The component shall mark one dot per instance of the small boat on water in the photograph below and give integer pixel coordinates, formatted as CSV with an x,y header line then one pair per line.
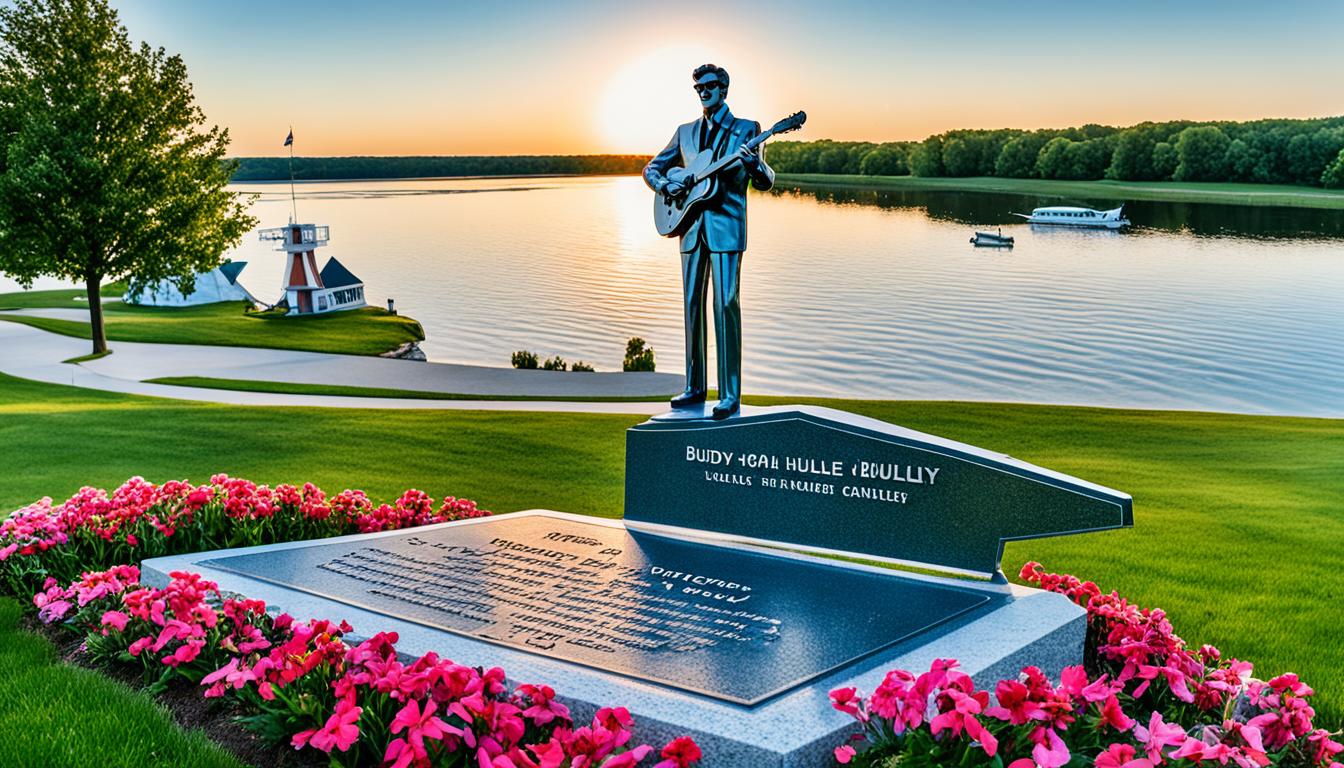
x,y
1068,216
991,240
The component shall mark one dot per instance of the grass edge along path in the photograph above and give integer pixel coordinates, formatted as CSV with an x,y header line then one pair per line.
x,y
339,390
57,714
1237,517
364,331
1223,193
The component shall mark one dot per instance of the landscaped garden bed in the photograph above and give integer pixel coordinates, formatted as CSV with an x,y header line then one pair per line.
x,y
1142,698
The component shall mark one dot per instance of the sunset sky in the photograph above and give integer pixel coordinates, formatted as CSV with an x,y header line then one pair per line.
x,y
446,78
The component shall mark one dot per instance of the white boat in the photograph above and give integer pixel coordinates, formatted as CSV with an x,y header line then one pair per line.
x,y
1068,216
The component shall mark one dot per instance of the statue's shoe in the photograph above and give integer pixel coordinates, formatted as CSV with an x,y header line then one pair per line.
x,y
726,407
688,398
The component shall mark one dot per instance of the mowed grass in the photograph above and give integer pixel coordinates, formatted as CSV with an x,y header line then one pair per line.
x,y
364,331
71,298
340,390
1238,518
55,715
1162,191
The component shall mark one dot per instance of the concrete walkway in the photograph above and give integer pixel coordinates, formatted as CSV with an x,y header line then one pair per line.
x,y
31,353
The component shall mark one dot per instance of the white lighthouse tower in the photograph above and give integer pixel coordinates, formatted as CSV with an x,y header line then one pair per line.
x,y
301,281
306,290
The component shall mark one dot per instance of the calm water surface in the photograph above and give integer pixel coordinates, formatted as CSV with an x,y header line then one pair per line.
x,y
861,294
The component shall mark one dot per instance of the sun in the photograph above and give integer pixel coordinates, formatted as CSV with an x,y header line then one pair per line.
x,y
648,98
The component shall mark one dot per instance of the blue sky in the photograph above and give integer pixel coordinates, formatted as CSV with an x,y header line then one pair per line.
x,y
516,77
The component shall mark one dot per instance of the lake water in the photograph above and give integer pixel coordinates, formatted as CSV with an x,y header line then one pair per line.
x,y
1203,307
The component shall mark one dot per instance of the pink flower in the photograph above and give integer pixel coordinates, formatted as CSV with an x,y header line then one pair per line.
x,y
185,653
1050,751
845,700
843,754
140,645
419,725
1113,715
115,619
1015,704
1074,680
1121,756
545,708
230,675
339,732
682,752
1157,736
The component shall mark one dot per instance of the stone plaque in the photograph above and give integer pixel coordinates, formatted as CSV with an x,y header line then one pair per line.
x,y
821,479
736,625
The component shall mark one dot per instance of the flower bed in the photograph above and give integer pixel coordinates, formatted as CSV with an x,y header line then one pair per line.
x,y
1141,699
296,683
301,683
95,530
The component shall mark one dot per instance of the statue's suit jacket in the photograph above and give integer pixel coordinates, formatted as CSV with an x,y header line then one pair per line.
x,y
723,222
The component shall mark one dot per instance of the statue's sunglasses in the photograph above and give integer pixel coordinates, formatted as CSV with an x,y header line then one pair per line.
x,y
702,87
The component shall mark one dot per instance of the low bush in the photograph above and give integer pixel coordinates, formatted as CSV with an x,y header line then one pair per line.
x,y
581,367
1141,699
638,357
524,359
556,363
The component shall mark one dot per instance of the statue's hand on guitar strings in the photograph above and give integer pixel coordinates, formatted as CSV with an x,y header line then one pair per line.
x,y
747,155
674,188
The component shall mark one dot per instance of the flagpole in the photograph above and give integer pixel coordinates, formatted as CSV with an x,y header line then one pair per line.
x,y
293,199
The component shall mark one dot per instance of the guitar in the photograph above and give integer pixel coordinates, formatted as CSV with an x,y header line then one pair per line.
x,y
673,214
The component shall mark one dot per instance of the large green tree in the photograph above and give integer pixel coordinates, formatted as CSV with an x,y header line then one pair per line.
x,y
107,167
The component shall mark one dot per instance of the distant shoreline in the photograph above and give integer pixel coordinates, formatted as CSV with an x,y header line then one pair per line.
x,y
1217,193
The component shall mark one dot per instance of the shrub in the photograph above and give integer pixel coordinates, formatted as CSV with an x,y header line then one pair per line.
x,y
524,359
581,367
637,356
1141,699
556,363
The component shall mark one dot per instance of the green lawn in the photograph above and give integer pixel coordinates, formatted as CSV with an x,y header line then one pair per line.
x,y
1162,191
366,331
290,388
57,715
1238,520
75,298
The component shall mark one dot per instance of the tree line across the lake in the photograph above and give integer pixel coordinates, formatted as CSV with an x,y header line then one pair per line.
x,y
1275,151
323,168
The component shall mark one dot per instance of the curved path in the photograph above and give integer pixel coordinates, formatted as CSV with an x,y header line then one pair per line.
x,y
31,353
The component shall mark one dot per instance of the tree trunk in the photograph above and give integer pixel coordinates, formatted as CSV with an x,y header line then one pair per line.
x,y
96,331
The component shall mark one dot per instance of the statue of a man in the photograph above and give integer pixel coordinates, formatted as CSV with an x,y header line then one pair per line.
x,y
713,243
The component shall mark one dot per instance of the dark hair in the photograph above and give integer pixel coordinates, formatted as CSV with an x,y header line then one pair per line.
x,y
717,71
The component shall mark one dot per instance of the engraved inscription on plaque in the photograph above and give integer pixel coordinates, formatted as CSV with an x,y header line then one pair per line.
x,y
734,625
814,478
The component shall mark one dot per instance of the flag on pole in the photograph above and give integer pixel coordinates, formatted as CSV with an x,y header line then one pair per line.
x,y
289,140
